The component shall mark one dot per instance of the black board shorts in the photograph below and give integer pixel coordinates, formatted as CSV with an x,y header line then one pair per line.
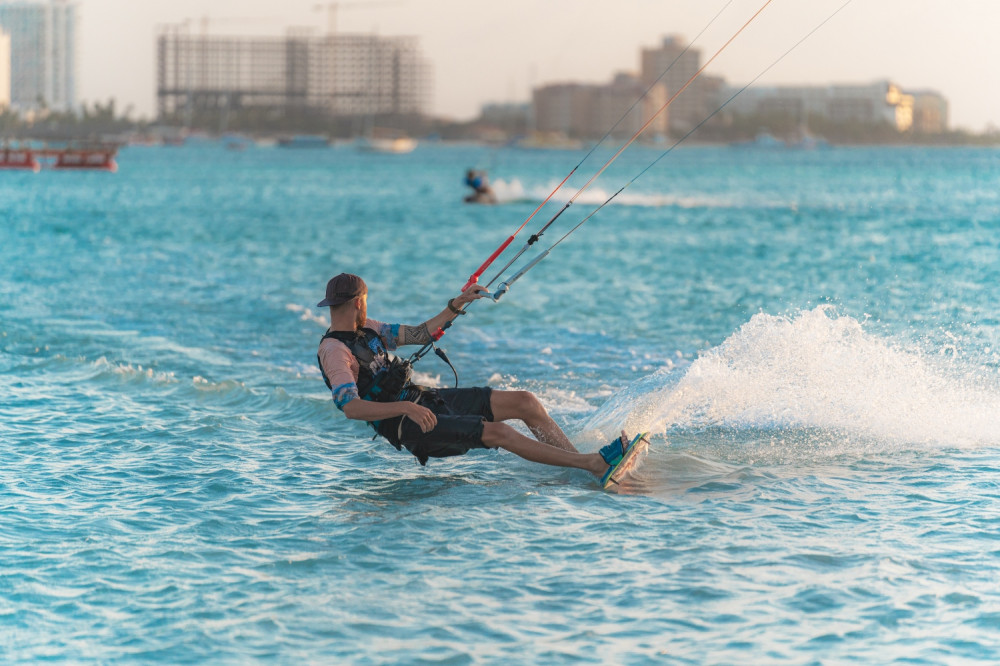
x,y
460,416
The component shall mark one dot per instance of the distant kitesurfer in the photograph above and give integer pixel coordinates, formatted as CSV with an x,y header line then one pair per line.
x,y
482,192
369,384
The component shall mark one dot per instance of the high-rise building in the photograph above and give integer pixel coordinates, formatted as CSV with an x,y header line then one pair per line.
x,y
4,70
563,108
930,112
337,75
583,110
877,103
42,53
674,64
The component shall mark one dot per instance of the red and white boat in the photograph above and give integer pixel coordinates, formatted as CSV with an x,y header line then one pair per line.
x,y
102,159
19,158
97,158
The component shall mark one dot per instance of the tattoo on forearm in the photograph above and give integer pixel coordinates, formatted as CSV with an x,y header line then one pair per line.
x,y
414,335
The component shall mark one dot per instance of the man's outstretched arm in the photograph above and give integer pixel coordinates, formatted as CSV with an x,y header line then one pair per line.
x,y
452,310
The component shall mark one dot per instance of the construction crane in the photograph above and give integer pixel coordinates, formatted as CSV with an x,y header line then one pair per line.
x,y
332,8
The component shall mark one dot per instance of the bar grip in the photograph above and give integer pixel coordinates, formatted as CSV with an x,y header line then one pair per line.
x,y
486,264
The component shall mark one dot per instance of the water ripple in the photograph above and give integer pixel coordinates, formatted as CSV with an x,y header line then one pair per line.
x,y
177,486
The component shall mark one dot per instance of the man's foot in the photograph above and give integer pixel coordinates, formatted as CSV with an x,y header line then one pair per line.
x,y
613,453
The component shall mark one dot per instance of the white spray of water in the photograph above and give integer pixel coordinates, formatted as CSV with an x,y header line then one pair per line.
x,y
820,371
129,372
515,191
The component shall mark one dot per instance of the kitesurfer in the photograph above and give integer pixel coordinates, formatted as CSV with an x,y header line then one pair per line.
x,y
482,192
369,384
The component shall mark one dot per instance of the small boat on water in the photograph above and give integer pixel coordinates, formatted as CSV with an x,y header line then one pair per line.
x,y
762,139
16,158
385,140
100,157
397,145
236,142
549,141
768,141
304,141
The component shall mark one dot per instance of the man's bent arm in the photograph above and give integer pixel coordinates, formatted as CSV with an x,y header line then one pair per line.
x,y
368,410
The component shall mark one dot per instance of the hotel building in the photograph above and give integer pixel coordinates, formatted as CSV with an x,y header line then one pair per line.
x,y
42,53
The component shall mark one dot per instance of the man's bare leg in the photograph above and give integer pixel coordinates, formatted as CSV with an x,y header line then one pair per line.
x,y
524,406
503,436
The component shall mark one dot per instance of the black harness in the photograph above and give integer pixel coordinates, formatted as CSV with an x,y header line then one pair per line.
x,y
384,378
381,377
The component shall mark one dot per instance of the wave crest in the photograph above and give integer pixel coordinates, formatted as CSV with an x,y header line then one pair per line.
x,y
819,371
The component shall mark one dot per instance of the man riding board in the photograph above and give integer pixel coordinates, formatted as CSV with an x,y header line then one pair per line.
x,y
368,384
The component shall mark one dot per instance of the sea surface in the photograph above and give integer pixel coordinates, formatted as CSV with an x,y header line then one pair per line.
x,y
812,338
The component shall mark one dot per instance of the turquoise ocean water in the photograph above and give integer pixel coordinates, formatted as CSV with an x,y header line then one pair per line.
x,y
812,338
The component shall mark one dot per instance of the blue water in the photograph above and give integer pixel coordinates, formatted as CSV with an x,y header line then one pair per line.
x,y
812,338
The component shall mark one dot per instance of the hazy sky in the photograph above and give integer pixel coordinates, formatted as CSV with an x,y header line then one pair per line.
x,y
497,52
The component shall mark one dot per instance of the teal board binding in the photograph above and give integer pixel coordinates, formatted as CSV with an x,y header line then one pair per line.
x,y
626,462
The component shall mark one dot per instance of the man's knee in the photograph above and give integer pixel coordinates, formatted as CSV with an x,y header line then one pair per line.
x,y
521,405
529,407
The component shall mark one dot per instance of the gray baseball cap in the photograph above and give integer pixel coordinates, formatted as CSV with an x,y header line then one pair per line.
x,y
342,288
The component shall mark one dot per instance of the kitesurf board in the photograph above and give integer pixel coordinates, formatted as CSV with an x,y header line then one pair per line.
x,y
629,461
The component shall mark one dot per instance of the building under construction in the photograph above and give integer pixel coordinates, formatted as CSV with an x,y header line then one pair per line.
x,y
214,81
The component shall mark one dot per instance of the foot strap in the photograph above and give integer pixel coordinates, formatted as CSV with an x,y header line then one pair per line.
x,y
614,453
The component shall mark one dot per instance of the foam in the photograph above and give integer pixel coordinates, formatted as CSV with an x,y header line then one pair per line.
x,y
223,386
819,372
306,314
129,372
515,191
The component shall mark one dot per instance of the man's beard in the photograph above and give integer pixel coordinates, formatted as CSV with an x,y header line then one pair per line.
x,y
359,321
